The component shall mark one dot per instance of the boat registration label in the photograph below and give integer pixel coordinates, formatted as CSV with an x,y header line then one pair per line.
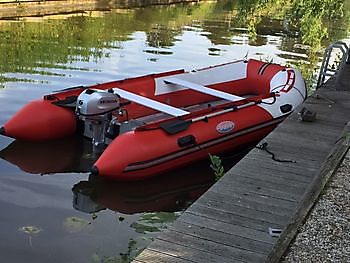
x,y
225,126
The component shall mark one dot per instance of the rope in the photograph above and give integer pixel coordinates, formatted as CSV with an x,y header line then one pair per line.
x,y
263,147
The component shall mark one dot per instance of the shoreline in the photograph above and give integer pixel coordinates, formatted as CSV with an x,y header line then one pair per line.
x,y
11,9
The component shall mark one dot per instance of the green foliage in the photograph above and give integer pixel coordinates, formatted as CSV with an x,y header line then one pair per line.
x,y
311,17
345,137
57,43
216,166
75,224
135,247
94,216
148,223
153,222
315,23
30,230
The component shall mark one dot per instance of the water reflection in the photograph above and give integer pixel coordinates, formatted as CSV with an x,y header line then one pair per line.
x,y
92,36
170,192
73,154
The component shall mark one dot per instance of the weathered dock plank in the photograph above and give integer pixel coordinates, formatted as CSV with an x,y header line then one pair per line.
x,y
260,181
268,176
153,256
231,222
245,201
257,197
189,220
221,245
308,165
287,171
236,219
194,249
230,186
247,245
249,213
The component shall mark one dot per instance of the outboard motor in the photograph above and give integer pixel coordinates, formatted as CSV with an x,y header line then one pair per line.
x,y
95,107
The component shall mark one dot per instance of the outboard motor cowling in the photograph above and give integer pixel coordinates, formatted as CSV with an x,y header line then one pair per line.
x,y
93,102
95,107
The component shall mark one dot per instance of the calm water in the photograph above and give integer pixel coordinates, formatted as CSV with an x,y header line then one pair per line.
x,y
50,210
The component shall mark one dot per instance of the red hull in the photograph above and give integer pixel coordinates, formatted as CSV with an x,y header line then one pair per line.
x,y
160,152
40,120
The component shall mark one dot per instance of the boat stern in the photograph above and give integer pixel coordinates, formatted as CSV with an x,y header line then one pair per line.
x,y
40,120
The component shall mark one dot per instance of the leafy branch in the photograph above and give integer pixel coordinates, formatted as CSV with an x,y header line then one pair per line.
x,y
216,166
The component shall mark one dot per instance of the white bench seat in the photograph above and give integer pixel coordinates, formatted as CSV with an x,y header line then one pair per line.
x,y
156,105
202,89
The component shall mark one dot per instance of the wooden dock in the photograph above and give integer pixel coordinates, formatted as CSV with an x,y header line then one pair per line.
x,y
233,221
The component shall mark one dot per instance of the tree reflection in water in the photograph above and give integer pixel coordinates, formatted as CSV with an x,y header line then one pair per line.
x,y
35,47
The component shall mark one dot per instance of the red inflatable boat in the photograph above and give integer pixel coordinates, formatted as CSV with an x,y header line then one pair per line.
x,y
147,125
